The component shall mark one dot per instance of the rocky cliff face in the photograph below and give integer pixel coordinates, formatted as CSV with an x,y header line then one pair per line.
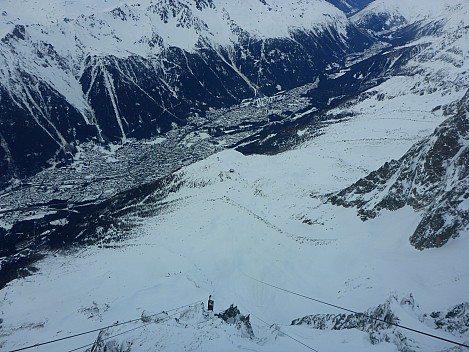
x,y
432,177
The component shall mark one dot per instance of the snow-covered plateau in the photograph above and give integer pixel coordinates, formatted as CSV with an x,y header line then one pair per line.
x,y
307,212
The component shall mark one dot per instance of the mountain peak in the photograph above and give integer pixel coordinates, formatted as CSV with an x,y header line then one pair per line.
x,y
384,15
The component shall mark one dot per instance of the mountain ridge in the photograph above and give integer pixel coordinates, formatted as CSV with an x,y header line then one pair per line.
x,y
431,177
93,68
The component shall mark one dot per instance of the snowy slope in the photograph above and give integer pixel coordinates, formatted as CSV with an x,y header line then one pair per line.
x,y
270,19
230,216
383,15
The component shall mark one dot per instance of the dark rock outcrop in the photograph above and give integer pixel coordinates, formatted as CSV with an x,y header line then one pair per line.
x,y
432,177
378,322
233,316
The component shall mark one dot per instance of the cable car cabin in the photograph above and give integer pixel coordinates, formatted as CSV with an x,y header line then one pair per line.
x,y
210,304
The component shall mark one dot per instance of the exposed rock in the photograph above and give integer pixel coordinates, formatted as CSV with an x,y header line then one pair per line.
x,y
361,321
432,177
455,321
234,317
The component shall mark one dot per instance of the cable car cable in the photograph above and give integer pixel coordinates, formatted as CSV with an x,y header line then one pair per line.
x,y
98,329
365,315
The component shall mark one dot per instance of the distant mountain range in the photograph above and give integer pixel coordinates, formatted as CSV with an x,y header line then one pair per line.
x,y
139,69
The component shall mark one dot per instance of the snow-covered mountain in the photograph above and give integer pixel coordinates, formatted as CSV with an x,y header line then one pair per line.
x,y
432,177
127,239
109,71
381,16
350,6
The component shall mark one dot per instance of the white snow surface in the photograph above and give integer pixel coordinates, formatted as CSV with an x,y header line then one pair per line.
x,y
276,18
238,216
453,12
223,226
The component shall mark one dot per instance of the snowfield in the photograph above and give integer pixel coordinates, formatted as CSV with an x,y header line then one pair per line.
x,y
234,218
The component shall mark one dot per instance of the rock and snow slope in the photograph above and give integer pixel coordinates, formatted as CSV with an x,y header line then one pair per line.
x,y
230,216
383,15
432,177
